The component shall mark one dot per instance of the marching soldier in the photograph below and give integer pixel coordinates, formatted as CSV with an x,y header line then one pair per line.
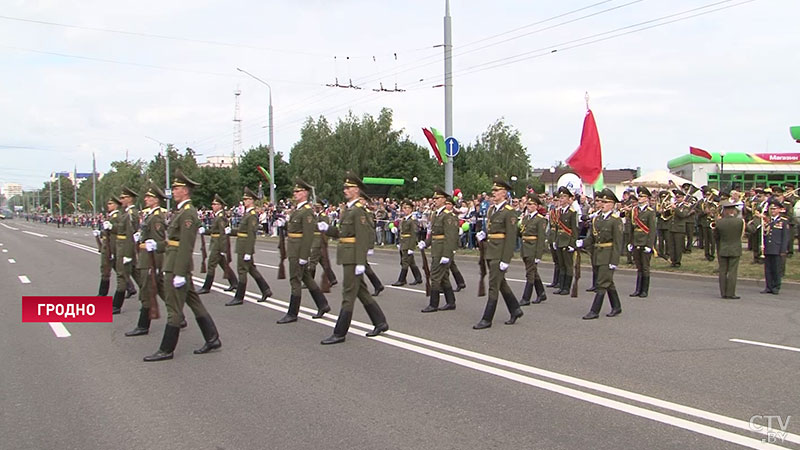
x,y
728,232
449,204
677,232
566,233
377,286
152,240
300,228
356,236
642,226
552,218
605,241
532,229
129,204
586,220
502,238
123,231
443,242
777,241
107,245
178,285
219,250
408,241
245,251
316,248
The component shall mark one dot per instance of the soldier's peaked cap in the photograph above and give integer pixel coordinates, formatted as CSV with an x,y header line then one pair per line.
x,y
407,202
114,199
643,191
129,192
564,190
154,191
534,197
219,200
180,179
300,185
248,193
499,183
608,194
439,191
353,180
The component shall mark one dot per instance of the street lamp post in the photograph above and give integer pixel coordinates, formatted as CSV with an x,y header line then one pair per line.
x,y
552,180
271,137
167,189
415,179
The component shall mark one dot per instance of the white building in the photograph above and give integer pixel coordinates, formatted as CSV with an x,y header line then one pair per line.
x,y
220,161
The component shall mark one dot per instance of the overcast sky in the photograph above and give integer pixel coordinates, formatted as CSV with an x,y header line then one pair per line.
x,y
723,81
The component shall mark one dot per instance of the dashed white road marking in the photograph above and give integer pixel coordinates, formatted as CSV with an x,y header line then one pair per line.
x,y
34,234
12,261
59,329
24,280
764,344
5,250
269,251
267,266
9,227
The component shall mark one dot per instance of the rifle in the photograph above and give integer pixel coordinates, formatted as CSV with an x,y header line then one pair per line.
x,y
153,311
577,272
228,247
427,270
107,270
203,251
482,264
325,262
282,249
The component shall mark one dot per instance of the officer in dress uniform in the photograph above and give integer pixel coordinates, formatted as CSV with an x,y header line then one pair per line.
x,y
219,247
502,238
449,204
408,242
152,239
663,224
728,232
677,232
566,233
377,285
443,242
128,198
300,227
245,251
777,241
552,217
178,286
123,235
356,236
316,247
532,228
107,245
605,242
642,226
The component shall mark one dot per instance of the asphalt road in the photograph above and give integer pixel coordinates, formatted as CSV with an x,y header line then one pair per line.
x,y
664,374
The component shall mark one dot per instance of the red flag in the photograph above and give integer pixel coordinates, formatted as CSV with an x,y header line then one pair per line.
x,y
587,160
432,141
699,152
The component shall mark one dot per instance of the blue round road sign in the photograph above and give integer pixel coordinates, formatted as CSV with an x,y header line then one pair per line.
x,y
451,147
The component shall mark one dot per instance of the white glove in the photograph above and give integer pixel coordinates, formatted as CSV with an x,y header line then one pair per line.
x,y
460,231
248,257
150,245
398,246
126,260
201,230
537,261
322,226
555,246
612,266
480,235
421,245
107,225
394,230
137,236
503,266
223,255
303,262
648,250
444,260
96,233
370,252
360,269
570,249
411,252
178,281
579,243
630,247
227,230
279,222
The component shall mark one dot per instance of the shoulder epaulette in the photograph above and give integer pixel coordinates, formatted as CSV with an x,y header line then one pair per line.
x,y
115,212
306,206
508,207
323,214
187,206
647,208
359,204
615,215
572,209
253,212
146,210
157,212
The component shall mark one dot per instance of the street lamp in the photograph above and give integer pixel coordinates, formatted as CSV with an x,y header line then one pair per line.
x,y
721,168
552,180
415,179
167,190
271,136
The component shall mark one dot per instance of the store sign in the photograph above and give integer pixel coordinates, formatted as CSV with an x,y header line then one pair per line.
x,y
779,157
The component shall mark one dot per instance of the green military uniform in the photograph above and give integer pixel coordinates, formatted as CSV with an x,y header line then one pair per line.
x,y
677,232
532,229
642,237
728,231
605,243
107,247
443,242
178,284
501,237
710,211
777,242
566,233
457,276
245,254
122,234
153,228
219,250
377,286
356,236
407,244
300,228
316,252
663,224
552,220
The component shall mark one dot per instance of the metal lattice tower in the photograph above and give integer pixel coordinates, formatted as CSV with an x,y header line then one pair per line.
x,y
237,124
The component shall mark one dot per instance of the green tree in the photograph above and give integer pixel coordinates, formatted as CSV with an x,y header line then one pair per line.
x,y
498,151
217,180
122,173
249,176
186,161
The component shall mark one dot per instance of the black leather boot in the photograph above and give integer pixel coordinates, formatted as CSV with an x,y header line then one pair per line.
x,y
417,276
238,299
116,303
638,286
143,326
593,288
378,319
321,302
594,312
294,308
207,283
616,307
566,285
168,344
556,276
340,330
645,286
130,289
488,315
460,284
433,304
375,281
103,290
540,294
263,286
401,280
449,299
561,281
526,294
231,276
210,334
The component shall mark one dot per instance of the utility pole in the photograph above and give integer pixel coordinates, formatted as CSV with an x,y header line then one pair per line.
x,y
448,93
94,186
60,205
167,189
75,189
271,137
51,195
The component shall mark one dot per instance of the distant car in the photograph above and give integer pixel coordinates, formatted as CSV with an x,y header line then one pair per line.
x,y
6,214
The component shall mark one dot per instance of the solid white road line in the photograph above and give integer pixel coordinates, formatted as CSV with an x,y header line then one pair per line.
x,y
12,261
78,246
59,329
24,280
270,251
267,266
10,228
5,250
764,344
34,234
391,338
1,244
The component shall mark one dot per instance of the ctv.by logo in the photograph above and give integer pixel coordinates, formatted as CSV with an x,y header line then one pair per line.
x,y
773,435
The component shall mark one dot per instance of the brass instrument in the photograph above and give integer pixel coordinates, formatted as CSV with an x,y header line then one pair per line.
x,y
666,208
